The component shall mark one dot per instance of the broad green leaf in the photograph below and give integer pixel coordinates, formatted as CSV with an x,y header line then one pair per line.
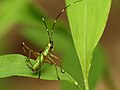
x,y
87,20
9,13
15,65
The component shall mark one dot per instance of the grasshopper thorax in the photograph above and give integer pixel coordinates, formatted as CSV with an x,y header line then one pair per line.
x,y
48,49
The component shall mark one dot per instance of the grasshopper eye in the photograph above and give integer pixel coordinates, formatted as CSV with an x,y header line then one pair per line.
x,y
52,43
22,44
40,51
51,47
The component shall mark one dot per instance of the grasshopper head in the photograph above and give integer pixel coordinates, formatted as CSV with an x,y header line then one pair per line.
x,y
51,45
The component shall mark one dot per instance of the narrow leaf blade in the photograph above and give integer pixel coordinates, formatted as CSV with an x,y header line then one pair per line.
x,y
87,22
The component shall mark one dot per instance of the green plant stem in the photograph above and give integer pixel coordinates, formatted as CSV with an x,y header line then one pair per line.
x,y
86,83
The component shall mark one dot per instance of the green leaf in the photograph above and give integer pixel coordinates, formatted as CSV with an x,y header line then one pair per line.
x,y
87,21
15,65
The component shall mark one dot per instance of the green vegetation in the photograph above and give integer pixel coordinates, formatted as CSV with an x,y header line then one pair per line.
x,y
87,21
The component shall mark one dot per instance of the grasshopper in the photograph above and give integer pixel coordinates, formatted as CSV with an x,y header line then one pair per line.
x,y
46,55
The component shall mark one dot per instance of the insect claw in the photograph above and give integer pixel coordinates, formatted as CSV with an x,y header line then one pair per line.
x,y
51,63
39,76
62,71
58,77
27,60
30,67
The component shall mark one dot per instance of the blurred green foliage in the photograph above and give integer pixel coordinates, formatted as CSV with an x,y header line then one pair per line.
x,y
9,14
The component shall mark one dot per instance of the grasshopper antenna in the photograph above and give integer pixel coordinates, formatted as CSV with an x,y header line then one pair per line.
x,y
61,14
46,28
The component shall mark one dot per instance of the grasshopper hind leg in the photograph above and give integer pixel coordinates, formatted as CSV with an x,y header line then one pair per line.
x,y
62,71
57,72
52,61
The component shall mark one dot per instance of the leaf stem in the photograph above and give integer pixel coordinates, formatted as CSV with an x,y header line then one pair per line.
x,y
86,84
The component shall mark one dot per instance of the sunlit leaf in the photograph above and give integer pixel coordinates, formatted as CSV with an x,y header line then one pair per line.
x,y
87,21
15,65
